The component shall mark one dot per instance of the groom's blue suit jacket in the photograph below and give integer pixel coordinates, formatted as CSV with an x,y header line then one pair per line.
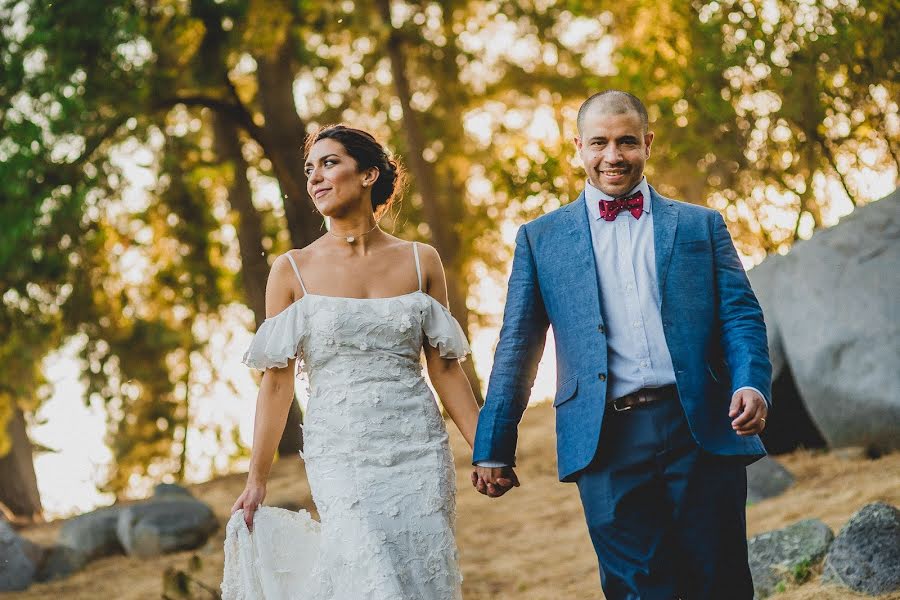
x,y
712,322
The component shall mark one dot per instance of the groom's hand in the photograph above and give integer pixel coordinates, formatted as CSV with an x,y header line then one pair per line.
x,y
494,481
748,411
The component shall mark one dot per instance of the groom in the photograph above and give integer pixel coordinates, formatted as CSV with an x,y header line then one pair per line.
x,y
663,371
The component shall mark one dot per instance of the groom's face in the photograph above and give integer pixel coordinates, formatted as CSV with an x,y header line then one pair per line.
x,y
614,148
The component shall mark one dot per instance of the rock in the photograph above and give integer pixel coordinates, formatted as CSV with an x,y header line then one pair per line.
x,y
17,567
171,490
832,311
865,556
786,555
60,562
93,534
161,526
766,478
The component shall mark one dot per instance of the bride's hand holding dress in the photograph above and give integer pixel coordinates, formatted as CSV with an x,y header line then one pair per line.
x,y
253,495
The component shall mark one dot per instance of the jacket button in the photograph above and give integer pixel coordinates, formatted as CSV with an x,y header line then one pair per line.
x,y
602,376
601,328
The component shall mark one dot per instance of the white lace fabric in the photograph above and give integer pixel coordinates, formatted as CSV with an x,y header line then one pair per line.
x,y
377,458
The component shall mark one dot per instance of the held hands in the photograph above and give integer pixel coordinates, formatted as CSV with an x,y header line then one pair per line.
x,y
494,481
249,500
748,411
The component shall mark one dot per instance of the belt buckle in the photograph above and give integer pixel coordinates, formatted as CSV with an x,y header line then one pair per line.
x,y
626,408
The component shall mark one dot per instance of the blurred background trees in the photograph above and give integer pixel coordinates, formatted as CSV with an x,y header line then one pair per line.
x,y
151,160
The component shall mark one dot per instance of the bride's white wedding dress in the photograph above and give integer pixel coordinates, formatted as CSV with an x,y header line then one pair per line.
x,y
377,457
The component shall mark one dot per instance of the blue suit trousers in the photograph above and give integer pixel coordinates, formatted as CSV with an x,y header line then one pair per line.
x,y
666,518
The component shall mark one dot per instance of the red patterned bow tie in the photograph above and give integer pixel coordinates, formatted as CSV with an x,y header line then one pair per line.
x,y
610,209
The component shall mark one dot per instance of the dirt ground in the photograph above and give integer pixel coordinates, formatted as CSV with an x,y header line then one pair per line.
x,y
530,545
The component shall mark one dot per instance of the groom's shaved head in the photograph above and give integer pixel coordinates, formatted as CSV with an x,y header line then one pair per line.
x,y
613,102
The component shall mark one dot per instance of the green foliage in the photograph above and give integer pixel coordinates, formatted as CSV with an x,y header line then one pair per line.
x,y
62,253
802,571
810,89
46,181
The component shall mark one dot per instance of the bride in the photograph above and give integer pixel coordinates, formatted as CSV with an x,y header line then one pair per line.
x,y
357,306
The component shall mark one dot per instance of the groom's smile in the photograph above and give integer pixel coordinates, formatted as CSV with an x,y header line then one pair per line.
x,y
614,177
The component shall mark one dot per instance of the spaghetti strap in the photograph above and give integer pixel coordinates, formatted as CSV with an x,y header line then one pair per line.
x,y
296,271
418,268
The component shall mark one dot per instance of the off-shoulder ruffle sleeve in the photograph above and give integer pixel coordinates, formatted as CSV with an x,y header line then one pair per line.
x,y
444,332
277,340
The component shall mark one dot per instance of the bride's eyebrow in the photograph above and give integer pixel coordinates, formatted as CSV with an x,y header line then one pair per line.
x,y
324,158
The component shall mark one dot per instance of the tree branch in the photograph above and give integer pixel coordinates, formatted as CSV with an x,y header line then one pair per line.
x,y
826,150
237,112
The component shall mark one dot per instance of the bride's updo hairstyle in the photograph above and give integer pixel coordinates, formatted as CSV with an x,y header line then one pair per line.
x,y
367,153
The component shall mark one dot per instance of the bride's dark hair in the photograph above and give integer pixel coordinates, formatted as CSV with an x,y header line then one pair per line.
x,y
368,153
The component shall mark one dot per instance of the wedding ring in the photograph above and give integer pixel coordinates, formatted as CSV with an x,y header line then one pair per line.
x,y
763,419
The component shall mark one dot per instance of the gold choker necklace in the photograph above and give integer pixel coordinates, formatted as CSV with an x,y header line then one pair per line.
x,y
352,238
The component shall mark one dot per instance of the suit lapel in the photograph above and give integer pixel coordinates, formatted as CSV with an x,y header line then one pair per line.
x,y
583,251
665,221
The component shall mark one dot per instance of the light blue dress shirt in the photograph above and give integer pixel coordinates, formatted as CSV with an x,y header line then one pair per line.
x,y
638,356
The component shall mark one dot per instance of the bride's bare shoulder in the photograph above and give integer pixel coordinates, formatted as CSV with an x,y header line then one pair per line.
x,y
306,254
429,255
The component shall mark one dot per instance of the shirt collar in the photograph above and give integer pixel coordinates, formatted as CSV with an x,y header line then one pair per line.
x,y
593,196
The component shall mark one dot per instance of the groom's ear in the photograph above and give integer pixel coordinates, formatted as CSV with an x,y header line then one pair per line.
x,y
577,141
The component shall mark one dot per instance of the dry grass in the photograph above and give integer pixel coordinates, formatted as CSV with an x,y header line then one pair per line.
x,y
531,544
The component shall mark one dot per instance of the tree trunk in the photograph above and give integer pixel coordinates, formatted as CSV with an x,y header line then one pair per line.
x,y
254,267
18,484
444,238
456,294
285,134
186,421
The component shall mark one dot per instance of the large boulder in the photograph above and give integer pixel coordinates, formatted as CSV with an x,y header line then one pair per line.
x,y
60,562
167,525
17,560
785,556
865,556
833,318
171,490
93,534
766,478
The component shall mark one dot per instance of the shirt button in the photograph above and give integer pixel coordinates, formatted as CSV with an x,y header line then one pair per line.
x,y
629,287
636,324
601,376
645,364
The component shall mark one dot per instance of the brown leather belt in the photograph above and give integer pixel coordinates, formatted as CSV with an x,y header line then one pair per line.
x,y
643,396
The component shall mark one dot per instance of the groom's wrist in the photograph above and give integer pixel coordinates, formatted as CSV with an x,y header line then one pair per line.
x,y
491,464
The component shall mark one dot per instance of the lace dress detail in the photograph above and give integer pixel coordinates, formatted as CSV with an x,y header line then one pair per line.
x,y
377,458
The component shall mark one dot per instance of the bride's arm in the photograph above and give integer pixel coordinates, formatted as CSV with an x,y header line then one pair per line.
x,y
447,375
276,393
